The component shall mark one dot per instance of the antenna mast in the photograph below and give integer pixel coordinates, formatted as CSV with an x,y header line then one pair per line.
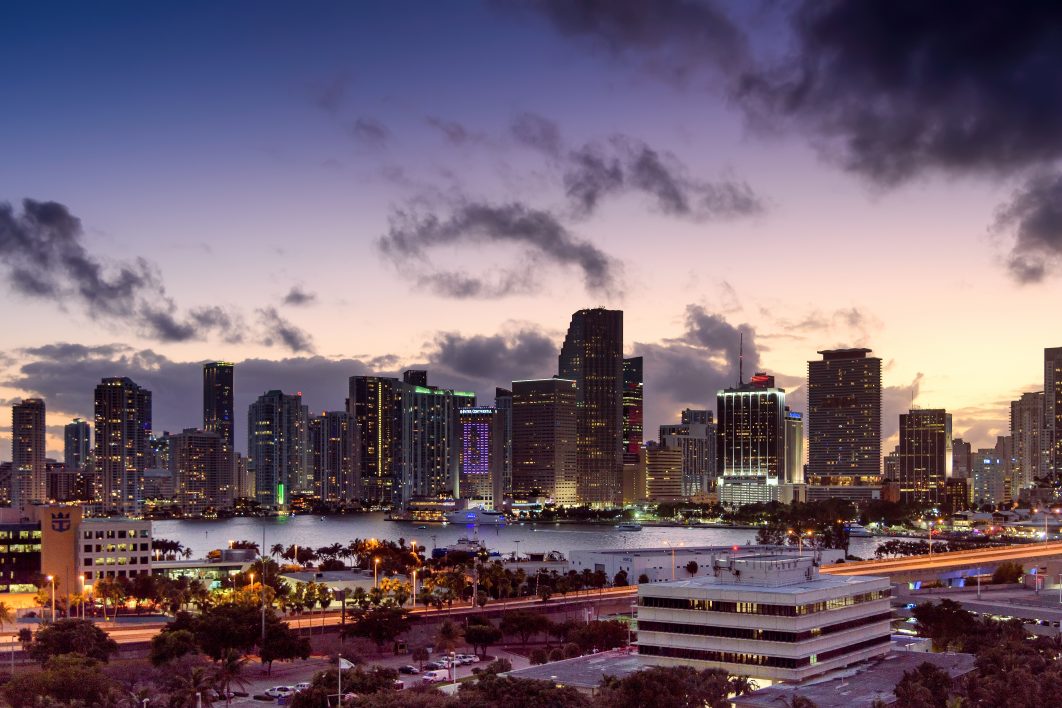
x,y
741,358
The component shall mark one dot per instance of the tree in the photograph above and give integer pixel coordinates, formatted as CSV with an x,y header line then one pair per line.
x,y
538,656
740,685
447,636
7,615
479,637
667,687
524,624
420,655
66,680
600,636
357,681
113,590
71,636
381,624
692,567
620,581
282,644
1009,572
925,687
643,579
228,671
494,690
167,646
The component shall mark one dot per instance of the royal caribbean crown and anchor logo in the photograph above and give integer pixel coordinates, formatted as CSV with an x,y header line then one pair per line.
x,y
60,521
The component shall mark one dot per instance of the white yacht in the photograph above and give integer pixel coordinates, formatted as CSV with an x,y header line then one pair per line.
x,y
628,526
477,516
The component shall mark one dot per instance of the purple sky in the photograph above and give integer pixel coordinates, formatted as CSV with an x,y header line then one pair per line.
x,y
323,189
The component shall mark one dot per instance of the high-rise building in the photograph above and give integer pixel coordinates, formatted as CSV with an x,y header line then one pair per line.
x,y
1053,410
122,449
962,458
198,461
663,473
278,445
218,408
633,408
925,456
545,414
479,450
375,402
430,452
77,444
695,437
333,441
592,356
1031,457
844,418
751,441
29,476
988,475
503,441
794,447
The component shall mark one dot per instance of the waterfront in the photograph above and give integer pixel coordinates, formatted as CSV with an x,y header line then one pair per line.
x,y
314,531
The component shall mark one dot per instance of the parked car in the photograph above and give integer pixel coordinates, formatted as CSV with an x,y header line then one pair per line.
x,y
408,670
299,687
279,691
466,659
433,665
436,676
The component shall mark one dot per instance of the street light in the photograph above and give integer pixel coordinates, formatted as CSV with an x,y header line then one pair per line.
x,y
51,579
375,572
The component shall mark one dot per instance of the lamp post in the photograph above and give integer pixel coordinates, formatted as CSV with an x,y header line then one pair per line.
x,y
415,588
930,540
375,573
51,579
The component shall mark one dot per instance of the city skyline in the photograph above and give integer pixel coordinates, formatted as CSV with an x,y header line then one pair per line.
x,y
271,177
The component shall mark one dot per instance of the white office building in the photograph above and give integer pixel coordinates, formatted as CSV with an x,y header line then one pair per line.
x,y
113,547
770,617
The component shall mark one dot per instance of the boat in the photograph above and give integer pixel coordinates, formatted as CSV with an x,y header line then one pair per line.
x,y
628,526
477,516
463,545
857,531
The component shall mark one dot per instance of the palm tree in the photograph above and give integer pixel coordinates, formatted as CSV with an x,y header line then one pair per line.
x,y
740,685
277,550
196,683
7,615
228,671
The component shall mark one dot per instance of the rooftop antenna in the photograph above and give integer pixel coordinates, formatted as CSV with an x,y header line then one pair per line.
x,y
741,358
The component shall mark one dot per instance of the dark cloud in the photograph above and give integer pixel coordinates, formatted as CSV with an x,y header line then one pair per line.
x,y
499,359
454,132
370,131
538,133
329,97
542,239
1034,213
894,401
278,330
298,296
45,256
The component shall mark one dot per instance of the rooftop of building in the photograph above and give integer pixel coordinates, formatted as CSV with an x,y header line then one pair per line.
x,y
767,572
858,686
586,672
657,550
849,353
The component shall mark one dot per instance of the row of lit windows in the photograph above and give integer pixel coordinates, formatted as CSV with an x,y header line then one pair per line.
x,y
735,657
112,573
759,608
5,535
116,533
112,548
111,560
21,548
766,635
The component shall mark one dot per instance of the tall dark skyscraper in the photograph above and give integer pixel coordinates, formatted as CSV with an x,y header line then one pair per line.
x,y
479,463
503,442
218,416
1053,410
844,418
633,409
333,440
925,459
592,356
751,441
545,424
123,432
430,434
77,444
374,403
29,478
278,445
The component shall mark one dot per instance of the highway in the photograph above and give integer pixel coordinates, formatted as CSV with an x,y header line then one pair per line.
x,y
944,561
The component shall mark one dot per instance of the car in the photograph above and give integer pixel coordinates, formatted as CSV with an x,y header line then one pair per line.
x,y
466,659
300,687
408,670
279,691
399,684
434,665
436,676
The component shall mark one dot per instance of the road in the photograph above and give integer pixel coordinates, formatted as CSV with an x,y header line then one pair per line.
x,y
944,561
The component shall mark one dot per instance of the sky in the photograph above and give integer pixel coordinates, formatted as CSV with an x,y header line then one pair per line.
x,y
315,190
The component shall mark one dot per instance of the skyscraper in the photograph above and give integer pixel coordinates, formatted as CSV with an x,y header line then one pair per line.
x,y
695,437
962,458
29,478
277,445
197,463
479,450
545,414
924,456
988,475
374,403
633,408
219,417
663,473
77,444
430,450
333,441
1030,440
503,441
844,418
1052,442
794,447
592,356
123,432
751,441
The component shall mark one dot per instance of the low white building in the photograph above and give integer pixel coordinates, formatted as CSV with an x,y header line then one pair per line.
x,y
670,563
768,617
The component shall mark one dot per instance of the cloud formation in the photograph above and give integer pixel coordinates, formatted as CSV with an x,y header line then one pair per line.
x,y
1034,214
299,296
454,132
500,358
539,235
370,131
278,330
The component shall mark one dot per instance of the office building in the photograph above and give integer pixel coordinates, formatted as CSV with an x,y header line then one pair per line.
x,y
844,418
633,408
430,450
769,617
695,436
989,477
663,473
278,445
374,402
545,414
198,465
503,442
961,458
112,548
1031,456
1052,442
751,441
122,449
77,444
794,447
924,456
333,442
592,356
218,408
29,478
479,456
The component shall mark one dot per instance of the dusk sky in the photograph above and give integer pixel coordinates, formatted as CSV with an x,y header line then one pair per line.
x,y
320,189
